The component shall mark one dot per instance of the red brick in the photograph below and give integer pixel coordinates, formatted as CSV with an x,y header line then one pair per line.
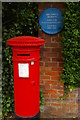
x,y
60,55
50,64
47,69
46,49
41,63
59,45
44,6
54,55
67,96
47,87
54,87
41,83
55,78
73,107
51,54
58,39
47,40
52,45
56,49
47,36
53,40
73,96
42,68
46,96
60,93
60,83
55,35
56,104
45,77
65,109
59,59
61,6
42,55
57,69
54,69
47,73
41,34
54,95
52,91
55,73
45,59
46,103
61,64
51,82
41,73
55,59
60,87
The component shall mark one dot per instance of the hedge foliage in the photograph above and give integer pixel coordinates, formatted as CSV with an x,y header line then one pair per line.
x,y
71,46
17,19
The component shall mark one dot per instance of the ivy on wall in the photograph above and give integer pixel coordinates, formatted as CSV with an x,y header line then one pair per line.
x,y
17,19
71,46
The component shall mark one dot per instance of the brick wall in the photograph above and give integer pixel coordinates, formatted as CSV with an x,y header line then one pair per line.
x,y
51,66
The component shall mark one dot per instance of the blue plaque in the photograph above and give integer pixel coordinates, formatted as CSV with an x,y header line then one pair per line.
x,y
51,20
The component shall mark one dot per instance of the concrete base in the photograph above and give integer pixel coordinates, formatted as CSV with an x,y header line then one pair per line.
x,y
37,117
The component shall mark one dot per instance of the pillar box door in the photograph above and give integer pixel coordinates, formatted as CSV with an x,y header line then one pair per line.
x,y
26,57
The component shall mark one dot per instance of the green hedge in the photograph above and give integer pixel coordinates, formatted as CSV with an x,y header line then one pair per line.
x,y
71,46
17,19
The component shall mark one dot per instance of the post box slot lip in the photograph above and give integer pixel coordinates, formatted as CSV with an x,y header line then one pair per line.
x,y
25,60
23,54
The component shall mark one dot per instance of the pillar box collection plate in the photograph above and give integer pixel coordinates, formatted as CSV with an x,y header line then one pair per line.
x,y
26,57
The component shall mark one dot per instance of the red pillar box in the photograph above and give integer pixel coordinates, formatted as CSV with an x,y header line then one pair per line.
x,y
26,57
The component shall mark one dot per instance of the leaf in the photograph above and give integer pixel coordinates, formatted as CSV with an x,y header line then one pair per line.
x,y
71,42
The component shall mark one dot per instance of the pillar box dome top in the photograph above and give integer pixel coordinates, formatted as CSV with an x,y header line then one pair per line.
x,y
25,41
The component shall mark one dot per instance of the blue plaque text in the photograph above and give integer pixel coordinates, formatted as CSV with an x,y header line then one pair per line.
x,y
51,20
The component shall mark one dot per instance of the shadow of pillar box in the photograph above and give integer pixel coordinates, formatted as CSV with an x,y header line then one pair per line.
x,y
26,57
